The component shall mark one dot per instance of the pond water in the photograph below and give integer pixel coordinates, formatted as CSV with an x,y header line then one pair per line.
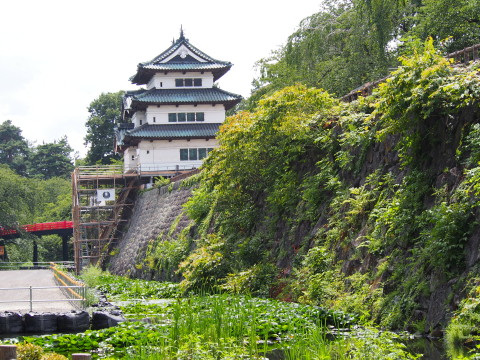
x,y
431,349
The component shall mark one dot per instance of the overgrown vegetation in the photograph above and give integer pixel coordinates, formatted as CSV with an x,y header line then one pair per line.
x,y
367,207
122,288
218,327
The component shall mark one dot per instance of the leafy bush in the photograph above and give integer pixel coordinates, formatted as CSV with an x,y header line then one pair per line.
x,y
53,356
165,253
205,266
256,281
27,351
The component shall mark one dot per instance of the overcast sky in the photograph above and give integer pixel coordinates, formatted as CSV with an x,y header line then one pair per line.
x,y
57,56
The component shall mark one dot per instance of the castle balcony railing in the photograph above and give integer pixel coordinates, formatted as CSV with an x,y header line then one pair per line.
x,y
162,169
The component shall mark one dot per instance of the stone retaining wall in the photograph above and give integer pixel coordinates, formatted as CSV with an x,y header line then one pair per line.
x,y
153,214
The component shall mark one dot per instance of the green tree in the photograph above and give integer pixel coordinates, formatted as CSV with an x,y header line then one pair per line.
x,y
54,200
351,42
458,21
105,112
51,160
17,199
13,147
336,49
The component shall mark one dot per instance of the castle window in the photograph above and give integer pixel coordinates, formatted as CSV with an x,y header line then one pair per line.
x,y
202,153
183,154
182,117
154,119
189,82
194,153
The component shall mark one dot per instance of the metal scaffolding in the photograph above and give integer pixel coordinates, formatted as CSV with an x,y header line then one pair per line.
x,y
96,223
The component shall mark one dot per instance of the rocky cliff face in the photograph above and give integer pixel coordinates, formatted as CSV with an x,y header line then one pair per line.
x,y
153,215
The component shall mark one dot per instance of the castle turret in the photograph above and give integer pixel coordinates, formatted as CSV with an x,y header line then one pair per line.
x,y
170,125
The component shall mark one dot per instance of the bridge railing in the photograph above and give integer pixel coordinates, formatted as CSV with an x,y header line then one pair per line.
x,y
57,225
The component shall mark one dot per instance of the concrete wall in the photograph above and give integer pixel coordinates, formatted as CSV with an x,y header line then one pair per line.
x,y
153,214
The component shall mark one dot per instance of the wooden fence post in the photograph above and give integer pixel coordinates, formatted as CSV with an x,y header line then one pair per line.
x,y
8,352
81,356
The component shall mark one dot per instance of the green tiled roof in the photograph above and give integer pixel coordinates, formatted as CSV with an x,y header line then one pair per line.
x,y
183,96
170,131
145,70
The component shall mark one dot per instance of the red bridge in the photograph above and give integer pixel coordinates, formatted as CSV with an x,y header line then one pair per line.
x,y
59,227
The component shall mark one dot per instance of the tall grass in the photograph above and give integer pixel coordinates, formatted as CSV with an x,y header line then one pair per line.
x,y
227,327
233,327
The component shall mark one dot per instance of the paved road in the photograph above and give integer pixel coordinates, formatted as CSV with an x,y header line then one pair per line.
x,y
25,278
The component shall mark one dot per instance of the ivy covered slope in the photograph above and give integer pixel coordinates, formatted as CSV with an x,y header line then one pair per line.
x,y
369,207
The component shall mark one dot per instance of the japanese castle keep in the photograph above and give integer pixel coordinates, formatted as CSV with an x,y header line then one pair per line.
x,y
170,126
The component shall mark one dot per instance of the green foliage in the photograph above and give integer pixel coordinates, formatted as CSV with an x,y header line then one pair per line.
x,y
472,146
273,142
28,351
165,253
377,345
161,181
203,268
51,160
226,323
16,199
454,23
104,113
319,280
463,328
14,148
93,276
348,43
336,49
452,223
53,356
256,280
122,288
424,87
54,200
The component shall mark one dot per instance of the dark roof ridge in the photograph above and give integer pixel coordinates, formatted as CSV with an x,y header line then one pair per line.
x,y
182,41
